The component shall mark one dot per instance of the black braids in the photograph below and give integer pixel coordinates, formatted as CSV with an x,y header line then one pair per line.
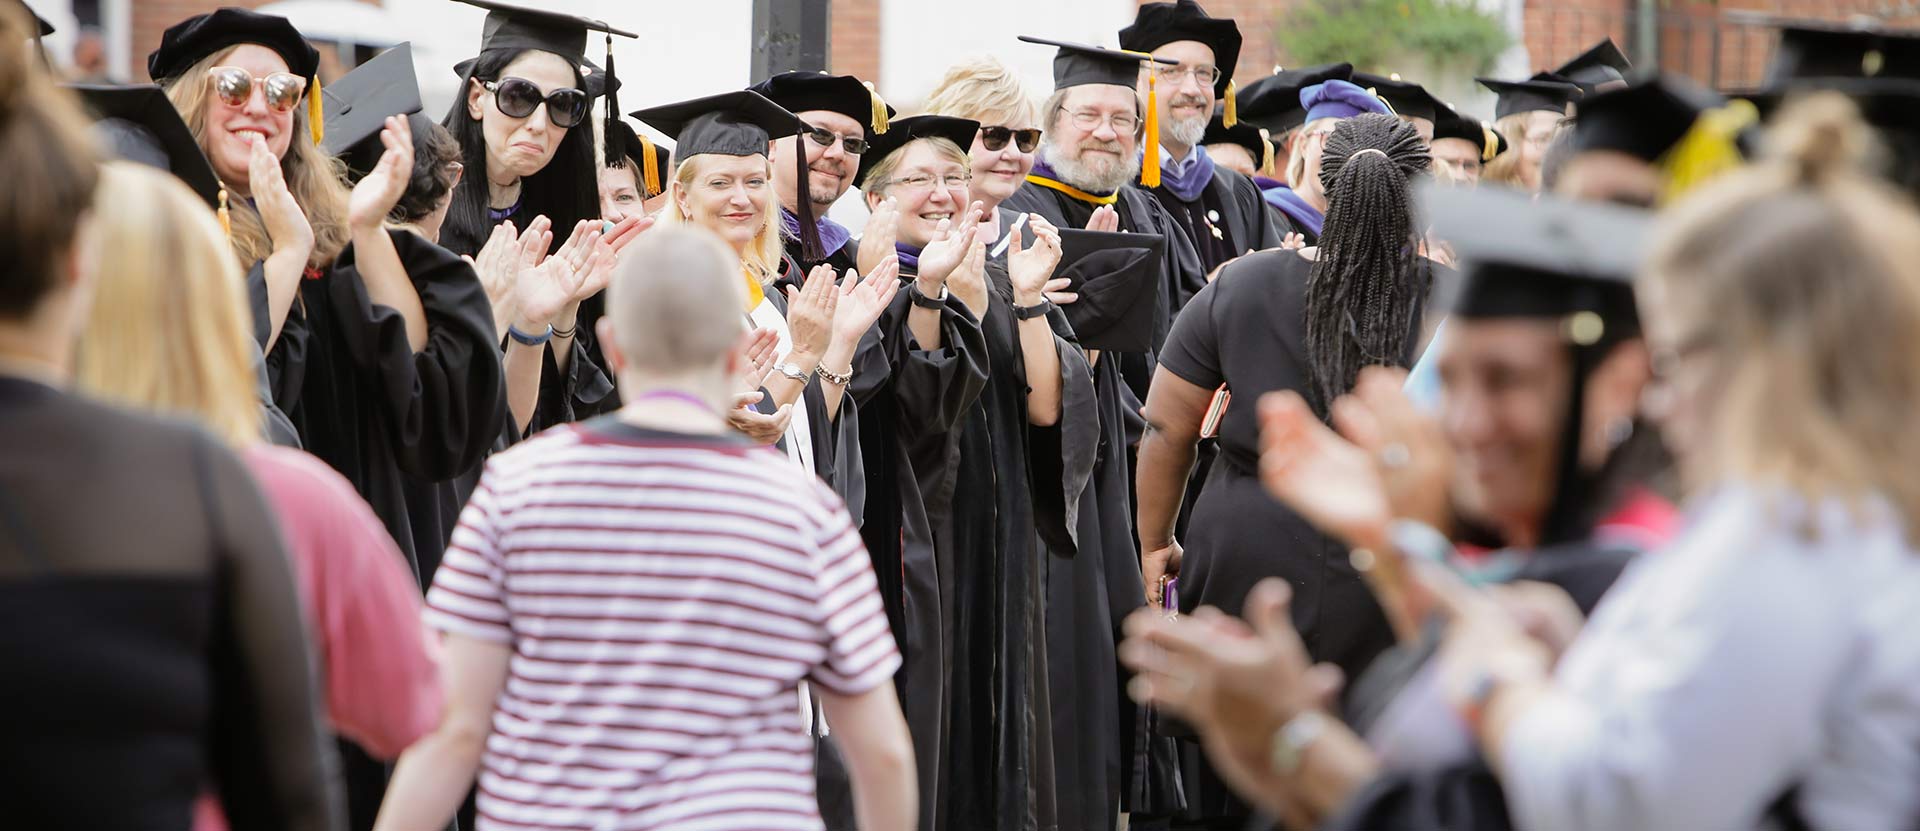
x,y
1367,284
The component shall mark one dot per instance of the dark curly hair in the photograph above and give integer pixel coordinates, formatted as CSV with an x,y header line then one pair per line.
x,y
1366,289
434,151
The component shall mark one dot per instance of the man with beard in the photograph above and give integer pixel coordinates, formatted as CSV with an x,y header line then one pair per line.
x,y
1221,210
1105,758
841,115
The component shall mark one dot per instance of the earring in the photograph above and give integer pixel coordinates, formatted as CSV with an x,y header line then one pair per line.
x,y
1618,431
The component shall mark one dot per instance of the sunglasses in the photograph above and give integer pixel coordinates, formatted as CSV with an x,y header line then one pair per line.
x,y
994,138
235,86
519,97
825,138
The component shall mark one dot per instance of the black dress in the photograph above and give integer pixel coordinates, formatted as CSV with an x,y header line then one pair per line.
x,y
151,630
1247,331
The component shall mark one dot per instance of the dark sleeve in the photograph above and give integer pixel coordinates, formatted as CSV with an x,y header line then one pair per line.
x,y
1260,218
275,427
257,303
872,366
1061,456
935,387
271,757
582,392
836,447
1192,350
440,404
1184,273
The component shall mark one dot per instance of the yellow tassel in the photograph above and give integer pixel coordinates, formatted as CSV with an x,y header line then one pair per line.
x,y
649,167
1231,114
1266,153
879,109
226,219
1150,158
1490,142
316,123
1708,148
755,293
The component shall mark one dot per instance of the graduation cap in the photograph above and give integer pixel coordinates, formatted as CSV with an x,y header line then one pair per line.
x,y
186,42
960,131
1450,124
511,27
648,160
356,107
1643,120
1339,99
1258,141
1407,99
738,123
1818,50
1077,64
801,92
1273,102
1117,276
138,123
1158,24
1603,63
1542,94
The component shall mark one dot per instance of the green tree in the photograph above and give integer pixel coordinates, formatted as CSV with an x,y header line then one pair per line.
x,y
1381,34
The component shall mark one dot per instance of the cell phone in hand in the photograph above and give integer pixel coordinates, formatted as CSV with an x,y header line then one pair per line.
x,y
1170,596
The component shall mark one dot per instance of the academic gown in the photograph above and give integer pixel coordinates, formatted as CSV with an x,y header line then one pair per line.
x,y
1019,488
909,401
1106,758
845,257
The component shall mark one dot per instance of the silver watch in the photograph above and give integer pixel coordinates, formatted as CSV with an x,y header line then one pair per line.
x,y
1291,741
792,371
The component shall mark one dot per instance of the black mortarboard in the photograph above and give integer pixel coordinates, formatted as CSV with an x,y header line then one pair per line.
x,y
1273,102
186,42
598,82
138,123
650,161
1158,24
1603,63
1643,120
512,27
356,107
1117,276
1450,124
1258,141
960,131
738,123
1817,50
1405,97
1077,64
1523,256
1530,95
801,92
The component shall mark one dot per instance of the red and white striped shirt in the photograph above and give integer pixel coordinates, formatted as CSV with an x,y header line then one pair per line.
x,y
664,596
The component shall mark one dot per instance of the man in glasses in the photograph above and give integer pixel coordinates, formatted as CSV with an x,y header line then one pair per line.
x,y
840,115
1221,210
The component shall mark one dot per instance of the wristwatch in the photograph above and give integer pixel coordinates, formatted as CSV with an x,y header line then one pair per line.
x,y
838,379
1291,741
921,299
792,371
1039,309
529,340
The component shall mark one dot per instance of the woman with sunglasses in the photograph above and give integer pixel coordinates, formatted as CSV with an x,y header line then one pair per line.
x,y
1003,151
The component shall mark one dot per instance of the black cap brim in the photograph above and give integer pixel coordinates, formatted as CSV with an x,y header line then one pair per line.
x,y
1273,102
1078,64
1450,124
1643,120
1602,63
1529,96
1405,97
801,92
737,123
140,123
510,26
357,106
1117,276
960,131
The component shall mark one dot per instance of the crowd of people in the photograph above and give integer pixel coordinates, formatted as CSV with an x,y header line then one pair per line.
x,y
1164,452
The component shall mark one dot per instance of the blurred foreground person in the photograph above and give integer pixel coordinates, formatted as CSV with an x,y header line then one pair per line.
x,y
625,636
153,635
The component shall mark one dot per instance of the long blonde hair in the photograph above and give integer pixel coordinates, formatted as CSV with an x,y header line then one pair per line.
x,y
169,326
316,180
1800,277
763,255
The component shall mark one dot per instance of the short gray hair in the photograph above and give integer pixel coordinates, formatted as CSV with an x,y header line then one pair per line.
x,y
676,301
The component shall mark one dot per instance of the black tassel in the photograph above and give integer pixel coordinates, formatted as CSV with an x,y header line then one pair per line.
x,y
809,228
613,141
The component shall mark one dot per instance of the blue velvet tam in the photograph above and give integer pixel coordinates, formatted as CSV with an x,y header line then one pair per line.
x,y
1339,99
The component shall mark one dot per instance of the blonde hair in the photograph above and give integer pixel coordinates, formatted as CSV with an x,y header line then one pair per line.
x,y
1297,161
1509,168
763,257
170,323
984,90
883,170
316,180
1801,277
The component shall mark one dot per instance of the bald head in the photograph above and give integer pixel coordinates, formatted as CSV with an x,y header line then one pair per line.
x,y
673,306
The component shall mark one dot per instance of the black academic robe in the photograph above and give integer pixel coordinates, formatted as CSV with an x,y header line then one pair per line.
x,y
909,401
380,414
1019,489
1227,220
798,267
1106,759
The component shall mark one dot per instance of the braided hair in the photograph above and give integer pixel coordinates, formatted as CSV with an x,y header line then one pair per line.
x,y
1369,281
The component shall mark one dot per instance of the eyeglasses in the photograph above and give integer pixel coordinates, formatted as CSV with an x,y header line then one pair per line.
x,y
1206,75
995,138
951,181
235,86
519,97
825,138
1087,120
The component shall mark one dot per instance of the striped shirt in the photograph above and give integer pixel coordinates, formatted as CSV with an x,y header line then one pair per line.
x,y
664,596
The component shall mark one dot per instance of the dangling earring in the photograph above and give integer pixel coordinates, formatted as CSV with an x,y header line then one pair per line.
x,y
1618,431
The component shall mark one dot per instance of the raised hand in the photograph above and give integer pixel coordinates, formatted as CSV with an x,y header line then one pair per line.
x,y
758,351
1293,241
810,312
969,280
949,246
863,301
497,268
1104,218
286,224
877,240
1409,449
376,194
544,291
1030,267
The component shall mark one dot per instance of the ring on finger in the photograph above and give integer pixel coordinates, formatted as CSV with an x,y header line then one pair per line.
x,y
1395,456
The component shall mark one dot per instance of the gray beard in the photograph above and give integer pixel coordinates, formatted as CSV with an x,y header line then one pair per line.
x,y
1187,133
1097,178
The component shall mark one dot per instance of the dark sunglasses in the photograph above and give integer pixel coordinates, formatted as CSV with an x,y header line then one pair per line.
x,y
519,97
235,85
994,138
825,138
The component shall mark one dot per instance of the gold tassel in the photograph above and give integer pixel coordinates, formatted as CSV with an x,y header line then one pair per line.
x,y
1490,141
1708,148
649,166
316,124
879,109
226,219
1150,158
1266,153
1231,113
